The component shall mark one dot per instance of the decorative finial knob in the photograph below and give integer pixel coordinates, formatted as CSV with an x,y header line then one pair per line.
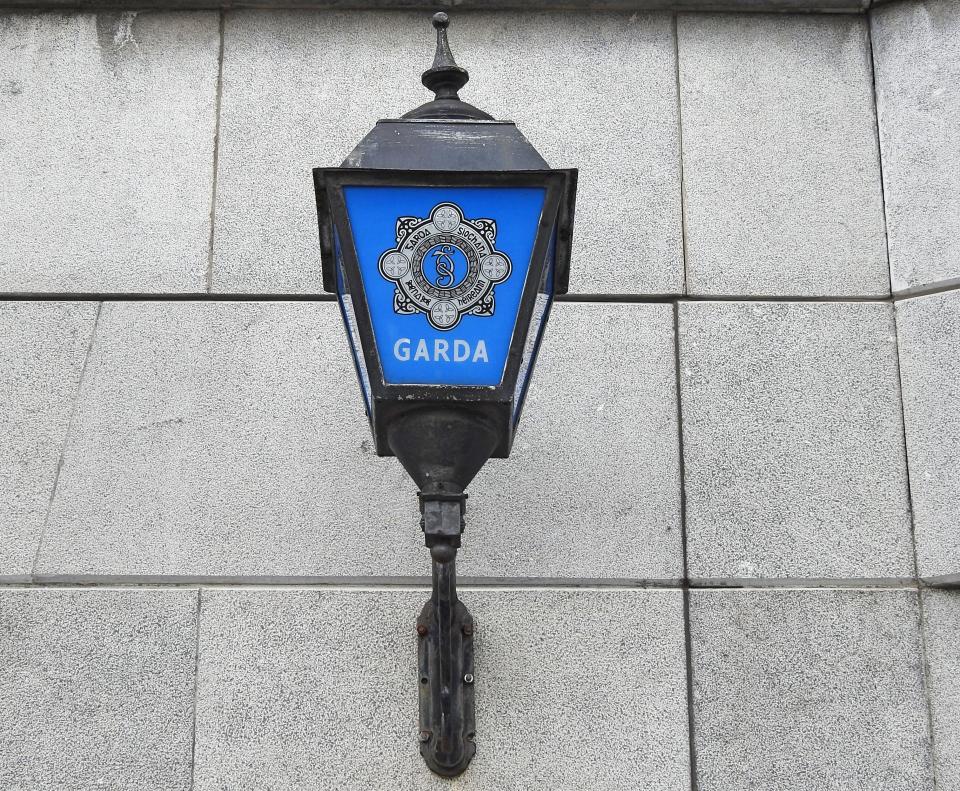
x,y
445,77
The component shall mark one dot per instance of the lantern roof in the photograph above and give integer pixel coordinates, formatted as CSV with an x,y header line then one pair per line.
x,y
446,133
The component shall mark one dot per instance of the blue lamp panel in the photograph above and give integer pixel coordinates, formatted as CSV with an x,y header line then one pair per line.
x,y
443,271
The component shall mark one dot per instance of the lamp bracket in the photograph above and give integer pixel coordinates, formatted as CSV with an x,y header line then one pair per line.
x,y
445,651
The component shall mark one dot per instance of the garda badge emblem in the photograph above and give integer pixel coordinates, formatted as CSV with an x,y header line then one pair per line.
x,y
445,266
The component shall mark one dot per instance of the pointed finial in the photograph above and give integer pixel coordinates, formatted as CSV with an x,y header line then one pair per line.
x,y
445,77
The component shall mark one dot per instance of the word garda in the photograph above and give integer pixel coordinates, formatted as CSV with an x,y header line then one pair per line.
x,y
441,350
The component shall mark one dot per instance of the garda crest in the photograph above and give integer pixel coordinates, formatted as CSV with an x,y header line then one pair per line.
x,y
445,266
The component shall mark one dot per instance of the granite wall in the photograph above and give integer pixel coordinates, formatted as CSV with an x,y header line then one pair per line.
x,y
725,553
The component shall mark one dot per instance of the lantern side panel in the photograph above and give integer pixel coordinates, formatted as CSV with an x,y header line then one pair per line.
x,y
349,314
443,271
538,322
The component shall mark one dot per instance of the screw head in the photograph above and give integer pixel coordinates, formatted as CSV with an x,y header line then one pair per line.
x,y
425,736
422,630
468,678
468,629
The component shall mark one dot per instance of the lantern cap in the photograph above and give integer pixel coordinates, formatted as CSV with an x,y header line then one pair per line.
x,y
445,78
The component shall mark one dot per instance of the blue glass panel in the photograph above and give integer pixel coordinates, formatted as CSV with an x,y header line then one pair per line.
x,y
443,270
350,322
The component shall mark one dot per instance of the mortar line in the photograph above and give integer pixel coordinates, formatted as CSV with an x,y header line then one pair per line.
x,y
477,583
557,6
196,689
924,658
424,585
191,296
620,299
66,439
685,571
940,287
216,155
685,582
876,118
925,682
906,446
683,187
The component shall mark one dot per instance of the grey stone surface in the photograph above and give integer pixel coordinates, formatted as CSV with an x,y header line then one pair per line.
x,y
229,439
595,464
808,689
299,90
42,349
97,688
295,96
317,689
941,623
106,149
226,438
596,92
928,329
917,51
793,441
781,170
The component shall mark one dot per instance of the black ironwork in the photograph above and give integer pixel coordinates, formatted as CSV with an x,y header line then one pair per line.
x,y
493,406
445,653
445,78
443,435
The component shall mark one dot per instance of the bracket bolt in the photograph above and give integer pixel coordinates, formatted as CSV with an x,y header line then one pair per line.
x,y
468,678
422,630
425,736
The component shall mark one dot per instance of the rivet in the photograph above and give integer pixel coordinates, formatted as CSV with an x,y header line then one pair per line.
x,y
468,678
424,736
422,630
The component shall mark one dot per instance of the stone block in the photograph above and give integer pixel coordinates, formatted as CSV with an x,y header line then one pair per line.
x,y
42,349
97,688
229,439
941,623
595,464
780,165
301,89
917,51
596,92
928,329
793,441
318,689
107,122
226,438
803,689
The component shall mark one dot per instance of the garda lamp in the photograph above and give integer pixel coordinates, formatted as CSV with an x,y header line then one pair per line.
x,y
445,237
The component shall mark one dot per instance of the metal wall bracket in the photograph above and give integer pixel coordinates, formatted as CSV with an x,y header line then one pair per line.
x,y
445,651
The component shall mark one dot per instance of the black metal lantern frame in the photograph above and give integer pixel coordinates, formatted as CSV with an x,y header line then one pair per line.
x,y
495,405
444,432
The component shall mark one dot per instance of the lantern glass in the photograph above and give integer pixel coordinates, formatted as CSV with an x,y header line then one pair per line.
x,y
445,280
444,271
349,315
538,322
